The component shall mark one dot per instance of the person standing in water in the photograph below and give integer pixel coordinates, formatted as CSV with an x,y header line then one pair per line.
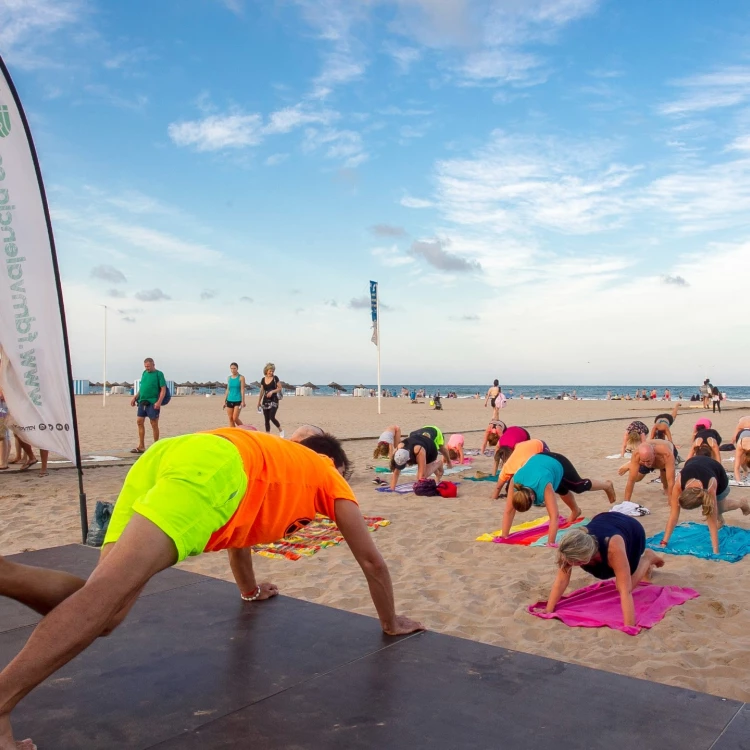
x,y
268,400
234,398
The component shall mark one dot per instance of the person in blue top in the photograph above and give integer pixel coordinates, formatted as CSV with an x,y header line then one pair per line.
x,y
234,398
539,482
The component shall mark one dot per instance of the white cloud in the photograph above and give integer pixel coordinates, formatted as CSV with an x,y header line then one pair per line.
x,y
742,143
499,66
404,57
218,132
726,87
128,58
236,6
392,257
136,104
289,118
342,145
409,201
274,159
339,68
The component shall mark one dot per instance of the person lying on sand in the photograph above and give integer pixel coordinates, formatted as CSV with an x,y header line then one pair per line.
x,y
540,481
662,425
228,489
703,483
387,442
421,449
635,433
611,546
650,456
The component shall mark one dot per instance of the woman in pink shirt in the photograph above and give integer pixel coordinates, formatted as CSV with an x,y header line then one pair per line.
x,y
455,446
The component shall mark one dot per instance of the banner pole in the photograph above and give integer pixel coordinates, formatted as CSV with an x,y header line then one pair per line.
x,y
377,329
104,382
58,283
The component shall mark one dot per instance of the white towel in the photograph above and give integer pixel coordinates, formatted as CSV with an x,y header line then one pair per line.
x,y
630,509
626,457
744,483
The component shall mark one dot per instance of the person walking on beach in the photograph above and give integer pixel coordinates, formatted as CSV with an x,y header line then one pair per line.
x,y
705,391
225,490
234,398
151,392
268,400
492,393
715,399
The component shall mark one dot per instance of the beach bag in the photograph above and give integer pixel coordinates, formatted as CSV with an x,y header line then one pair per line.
x,y
167,397
447,489
99,524
425,488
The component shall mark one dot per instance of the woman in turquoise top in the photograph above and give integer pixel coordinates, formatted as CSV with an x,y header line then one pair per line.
x,y
234,399
535,483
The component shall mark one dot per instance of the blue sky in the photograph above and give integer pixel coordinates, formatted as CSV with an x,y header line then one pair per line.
x,y
548,191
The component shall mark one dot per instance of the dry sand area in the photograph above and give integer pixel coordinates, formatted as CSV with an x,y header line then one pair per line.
x,y
441,575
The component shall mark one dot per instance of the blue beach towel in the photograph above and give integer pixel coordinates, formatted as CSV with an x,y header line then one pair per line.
x,y
694,539
490,478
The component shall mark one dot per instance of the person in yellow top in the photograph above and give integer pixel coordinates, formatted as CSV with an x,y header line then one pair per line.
x,y
520,455
224,490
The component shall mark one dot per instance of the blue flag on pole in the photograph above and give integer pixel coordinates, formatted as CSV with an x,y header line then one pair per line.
x,y
374,310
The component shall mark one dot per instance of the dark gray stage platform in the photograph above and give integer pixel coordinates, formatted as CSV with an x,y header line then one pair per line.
x,y
193,667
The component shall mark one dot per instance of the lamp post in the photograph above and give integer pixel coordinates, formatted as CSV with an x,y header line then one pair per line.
x,y
104,382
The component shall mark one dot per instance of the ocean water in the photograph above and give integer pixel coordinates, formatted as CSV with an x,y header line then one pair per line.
x,y
588,392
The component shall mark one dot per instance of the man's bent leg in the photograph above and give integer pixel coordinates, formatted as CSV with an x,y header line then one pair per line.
x,y
142,551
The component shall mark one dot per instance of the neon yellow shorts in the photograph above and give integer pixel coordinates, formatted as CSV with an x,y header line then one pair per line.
x,y
189,486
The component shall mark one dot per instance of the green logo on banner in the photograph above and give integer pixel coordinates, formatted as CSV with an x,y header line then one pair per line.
x,y
4,121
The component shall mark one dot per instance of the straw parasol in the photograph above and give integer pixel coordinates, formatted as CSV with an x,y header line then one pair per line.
x,y
311,385
360,386
287,386
337,387
254,384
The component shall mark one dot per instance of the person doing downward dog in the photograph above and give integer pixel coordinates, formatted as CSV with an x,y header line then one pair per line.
x,y
703,483
492,434
663,424
510,438
234,398
228,489
387,442
517,458
611,546
455,446
422,448
268,399
635,434
650,456
742,446
706,441
539,481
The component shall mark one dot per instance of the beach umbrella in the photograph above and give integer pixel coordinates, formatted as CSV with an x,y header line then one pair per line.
x,y
360,386
254,384
287,386
311,385
337,387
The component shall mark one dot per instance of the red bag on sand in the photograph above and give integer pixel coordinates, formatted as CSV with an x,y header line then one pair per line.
x,y
448,489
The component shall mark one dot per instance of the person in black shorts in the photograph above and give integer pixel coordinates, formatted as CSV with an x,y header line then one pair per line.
x,y
662,429
650,456
611,546
572,481
706,441
268,400
703,483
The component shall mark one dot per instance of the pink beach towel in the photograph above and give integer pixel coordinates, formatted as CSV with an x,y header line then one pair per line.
x,y
528,536
598,606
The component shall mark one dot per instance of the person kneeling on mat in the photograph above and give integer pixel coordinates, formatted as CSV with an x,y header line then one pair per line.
x,y
228,489
421,449
703,483
611,546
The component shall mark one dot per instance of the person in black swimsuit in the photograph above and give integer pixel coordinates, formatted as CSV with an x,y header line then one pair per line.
x,y
706,441
611,546
268,399
421,448
662,429
703,483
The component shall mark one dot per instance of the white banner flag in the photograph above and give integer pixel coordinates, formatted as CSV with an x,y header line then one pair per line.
x,y
34,374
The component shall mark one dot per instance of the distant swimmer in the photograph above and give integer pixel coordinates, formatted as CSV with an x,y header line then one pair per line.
x,y
651,456
611,546
703,484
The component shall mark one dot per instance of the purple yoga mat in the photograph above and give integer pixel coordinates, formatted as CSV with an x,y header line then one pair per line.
x,y
598,606
401,489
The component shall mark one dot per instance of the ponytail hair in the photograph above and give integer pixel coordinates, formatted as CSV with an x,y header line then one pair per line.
x,y
693,497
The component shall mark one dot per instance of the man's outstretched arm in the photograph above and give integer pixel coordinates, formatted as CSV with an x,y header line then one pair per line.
x,y
358,537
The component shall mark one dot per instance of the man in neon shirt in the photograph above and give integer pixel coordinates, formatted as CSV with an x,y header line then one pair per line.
x,y
228,489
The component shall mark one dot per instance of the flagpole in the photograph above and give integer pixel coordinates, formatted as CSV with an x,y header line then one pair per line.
x,y
104,386
377,330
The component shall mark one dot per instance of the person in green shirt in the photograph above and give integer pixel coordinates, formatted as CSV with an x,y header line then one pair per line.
x,y
151,392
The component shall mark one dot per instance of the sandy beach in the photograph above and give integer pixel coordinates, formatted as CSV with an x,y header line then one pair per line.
x,y
441,575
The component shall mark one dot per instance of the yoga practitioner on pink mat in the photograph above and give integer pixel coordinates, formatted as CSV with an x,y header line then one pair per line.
x,y
611,546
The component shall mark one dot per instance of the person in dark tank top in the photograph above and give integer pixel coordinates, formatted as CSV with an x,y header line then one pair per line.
x,y
613,545
703,483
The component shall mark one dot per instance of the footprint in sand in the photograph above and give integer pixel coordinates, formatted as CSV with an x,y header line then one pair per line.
x,y
719,608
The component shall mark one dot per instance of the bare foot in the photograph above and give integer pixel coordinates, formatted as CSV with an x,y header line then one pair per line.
x,y
6,737
575,515
611,494
28,465
745,508
26,744
43,473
